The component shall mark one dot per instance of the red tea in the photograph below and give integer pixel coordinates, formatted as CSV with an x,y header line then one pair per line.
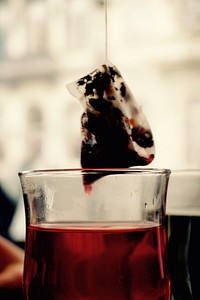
x,y
101,263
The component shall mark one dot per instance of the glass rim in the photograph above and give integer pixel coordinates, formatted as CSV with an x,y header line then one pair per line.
x,y
81,171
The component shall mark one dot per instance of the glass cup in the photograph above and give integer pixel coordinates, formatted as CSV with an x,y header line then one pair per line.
x,y
183,208
96,234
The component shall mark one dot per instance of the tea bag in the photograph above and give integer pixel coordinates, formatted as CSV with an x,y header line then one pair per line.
x,y
115,132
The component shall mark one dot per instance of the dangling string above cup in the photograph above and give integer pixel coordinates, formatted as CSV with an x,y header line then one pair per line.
x,y
106,30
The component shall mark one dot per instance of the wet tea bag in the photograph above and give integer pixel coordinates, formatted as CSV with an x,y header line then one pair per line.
x,y
115,132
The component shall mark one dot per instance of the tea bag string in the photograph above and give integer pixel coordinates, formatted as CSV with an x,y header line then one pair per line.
x,y
106,30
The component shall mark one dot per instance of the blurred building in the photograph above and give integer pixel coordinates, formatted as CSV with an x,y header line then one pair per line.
x,y
44,44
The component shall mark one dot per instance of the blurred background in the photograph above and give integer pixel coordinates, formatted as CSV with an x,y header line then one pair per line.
x,y
45,44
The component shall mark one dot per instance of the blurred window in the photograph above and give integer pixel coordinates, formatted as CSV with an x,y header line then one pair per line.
x,y
3,4
37,27
35,117
2,43
2,152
